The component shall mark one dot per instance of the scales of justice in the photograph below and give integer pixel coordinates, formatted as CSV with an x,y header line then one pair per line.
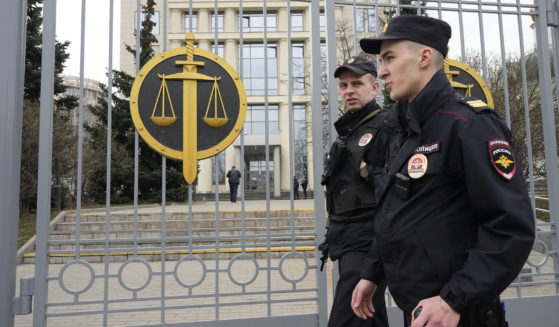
x,y
190,78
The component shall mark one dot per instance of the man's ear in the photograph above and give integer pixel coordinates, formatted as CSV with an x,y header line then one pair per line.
x,y
426,57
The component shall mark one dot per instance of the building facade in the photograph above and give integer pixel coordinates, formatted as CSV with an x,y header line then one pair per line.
x,y
241,41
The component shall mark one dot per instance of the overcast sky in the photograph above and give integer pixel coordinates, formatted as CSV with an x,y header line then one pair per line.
x,y
97,35
96,54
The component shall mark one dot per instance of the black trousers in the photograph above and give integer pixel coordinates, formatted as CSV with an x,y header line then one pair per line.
x,y
341,314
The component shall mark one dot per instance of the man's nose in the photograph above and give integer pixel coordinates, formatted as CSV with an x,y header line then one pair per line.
x,y
382,73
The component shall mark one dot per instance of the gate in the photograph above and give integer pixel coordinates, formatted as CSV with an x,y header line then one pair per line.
x,y
213,263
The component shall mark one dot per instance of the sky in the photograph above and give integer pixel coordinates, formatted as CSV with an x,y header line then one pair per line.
x,y
96,52
97,35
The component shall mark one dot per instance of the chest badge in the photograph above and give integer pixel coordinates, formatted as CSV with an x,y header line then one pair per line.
x,y
417,166
502,158
365,139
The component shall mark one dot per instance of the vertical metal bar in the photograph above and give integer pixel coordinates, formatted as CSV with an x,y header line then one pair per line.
x,y
163,192
318,151
45,162
12,38
108,176
355,46
461,24
242,160
482,39
80,134
216,183
267,159
331,65
526,111
136,139
291,123
504,65
548,119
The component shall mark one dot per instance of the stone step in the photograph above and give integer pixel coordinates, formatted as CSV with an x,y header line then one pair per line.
x,y
209,215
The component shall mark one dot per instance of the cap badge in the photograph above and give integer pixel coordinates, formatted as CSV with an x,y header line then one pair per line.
x,y
365,139
502,158
417,166
350,60
385,28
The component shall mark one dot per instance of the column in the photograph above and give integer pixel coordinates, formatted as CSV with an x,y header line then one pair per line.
x,y
204,20
205,176
283,67
277,167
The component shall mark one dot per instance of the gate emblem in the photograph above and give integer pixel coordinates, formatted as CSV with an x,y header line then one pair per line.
x,y
465,80
206,125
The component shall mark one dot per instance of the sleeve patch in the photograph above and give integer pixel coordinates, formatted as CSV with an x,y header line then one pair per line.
x,y
502,158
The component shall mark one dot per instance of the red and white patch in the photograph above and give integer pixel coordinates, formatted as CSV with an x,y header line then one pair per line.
x,y
502,158
365,139
417,166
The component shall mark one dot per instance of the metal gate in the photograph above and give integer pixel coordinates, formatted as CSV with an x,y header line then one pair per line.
x,y
211,263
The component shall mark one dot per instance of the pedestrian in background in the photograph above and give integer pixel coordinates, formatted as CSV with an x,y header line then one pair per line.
x,y
233,177
295,188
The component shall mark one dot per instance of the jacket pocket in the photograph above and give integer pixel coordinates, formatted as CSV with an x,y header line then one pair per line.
x,y
355,196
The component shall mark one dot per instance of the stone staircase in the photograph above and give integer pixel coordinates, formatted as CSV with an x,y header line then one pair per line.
x,y
147,235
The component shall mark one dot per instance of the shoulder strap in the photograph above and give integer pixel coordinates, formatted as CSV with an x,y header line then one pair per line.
x,y
366,118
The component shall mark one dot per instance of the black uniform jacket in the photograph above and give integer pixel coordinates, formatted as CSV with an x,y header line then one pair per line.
x,y
350,198
467,226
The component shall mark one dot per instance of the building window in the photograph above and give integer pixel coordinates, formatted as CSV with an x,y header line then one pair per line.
x,y
219,22
253,68
187,21
322,21
297,21
154,19
254,22
300,138
298,78
220,49
255,122
365,20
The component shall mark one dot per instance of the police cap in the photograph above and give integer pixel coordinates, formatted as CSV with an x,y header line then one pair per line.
x,y
421,29
358,65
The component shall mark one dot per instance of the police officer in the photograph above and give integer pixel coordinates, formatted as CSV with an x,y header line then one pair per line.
x,y
454,224
350,197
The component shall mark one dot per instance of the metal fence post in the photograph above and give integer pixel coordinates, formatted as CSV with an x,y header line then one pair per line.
x,y
548,119
12,38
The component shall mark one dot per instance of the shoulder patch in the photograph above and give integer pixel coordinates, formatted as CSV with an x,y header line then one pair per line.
x,y
502,158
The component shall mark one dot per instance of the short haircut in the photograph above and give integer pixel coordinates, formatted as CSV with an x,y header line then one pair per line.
x,y
438,59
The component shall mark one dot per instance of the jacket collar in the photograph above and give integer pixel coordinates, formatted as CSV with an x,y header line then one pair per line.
x,y
350,119
430,99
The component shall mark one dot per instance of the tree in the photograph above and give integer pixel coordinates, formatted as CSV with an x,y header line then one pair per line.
x,y
122,143
62,105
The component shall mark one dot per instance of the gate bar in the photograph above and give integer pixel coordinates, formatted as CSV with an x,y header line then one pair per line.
x,y
318,155
45,162
548,120
12,38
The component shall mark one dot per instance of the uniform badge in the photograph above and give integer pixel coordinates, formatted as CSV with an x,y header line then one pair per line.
x,y
502,158
365,139
417,166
